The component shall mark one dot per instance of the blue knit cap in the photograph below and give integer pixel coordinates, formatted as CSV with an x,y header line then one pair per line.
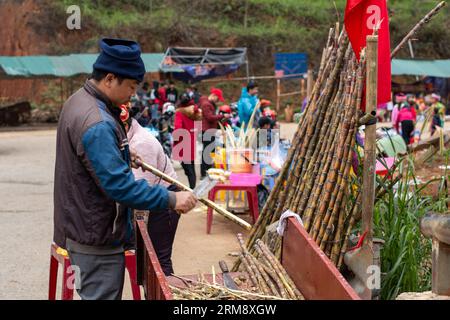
x,y
121,57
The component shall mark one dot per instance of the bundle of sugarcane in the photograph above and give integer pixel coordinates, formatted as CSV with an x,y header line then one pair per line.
x,y
266,273
314,181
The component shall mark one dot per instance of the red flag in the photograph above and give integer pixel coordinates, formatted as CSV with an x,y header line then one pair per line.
x,y
362,17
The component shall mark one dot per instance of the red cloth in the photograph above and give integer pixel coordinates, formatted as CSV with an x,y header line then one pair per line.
x,y
361,18
210,118
184,138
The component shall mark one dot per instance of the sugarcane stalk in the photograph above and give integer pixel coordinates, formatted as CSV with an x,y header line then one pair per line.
x,y
308,180
321,161
207,202
250,272
335,250
350,225
329,191
341,184
285,278
339,191
309,126
328,174
324,100
265,276
246,254
271,272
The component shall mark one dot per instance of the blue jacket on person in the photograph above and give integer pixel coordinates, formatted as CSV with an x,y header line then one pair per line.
x,y
246,105
95,189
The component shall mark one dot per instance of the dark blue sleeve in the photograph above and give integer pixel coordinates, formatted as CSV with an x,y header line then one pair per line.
x,y
114,175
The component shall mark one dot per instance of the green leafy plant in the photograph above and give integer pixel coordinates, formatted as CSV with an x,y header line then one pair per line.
x,y
406,254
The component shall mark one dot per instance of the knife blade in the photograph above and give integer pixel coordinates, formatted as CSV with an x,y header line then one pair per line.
x,y
202,189
227,279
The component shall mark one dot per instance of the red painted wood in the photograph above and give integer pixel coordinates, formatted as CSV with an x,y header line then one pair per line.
x,y
313,273
66,290
149,271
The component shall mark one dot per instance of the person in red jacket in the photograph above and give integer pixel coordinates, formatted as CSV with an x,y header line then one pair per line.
x,y
184,136
162,96
210,123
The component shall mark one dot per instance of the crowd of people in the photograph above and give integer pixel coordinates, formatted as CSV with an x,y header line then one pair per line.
x,y
408,109
178,118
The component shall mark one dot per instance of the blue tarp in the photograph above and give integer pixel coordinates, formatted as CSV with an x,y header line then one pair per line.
x,y
430,68
291,63
64,66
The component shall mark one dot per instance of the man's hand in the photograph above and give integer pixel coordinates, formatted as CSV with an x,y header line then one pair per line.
x,y
134,156
186,201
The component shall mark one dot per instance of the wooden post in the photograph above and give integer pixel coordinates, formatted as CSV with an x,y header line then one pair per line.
x,y
278,95
302,87
368,188
309,83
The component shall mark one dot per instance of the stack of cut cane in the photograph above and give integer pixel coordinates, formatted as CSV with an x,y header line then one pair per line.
x,y
266,272
315,179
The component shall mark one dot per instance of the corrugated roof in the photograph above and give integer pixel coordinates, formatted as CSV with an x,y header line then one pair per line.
x,y
64,66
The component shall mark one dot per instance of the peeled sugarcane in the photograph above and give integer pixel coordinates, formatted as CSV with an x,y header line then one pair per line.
x,y
207,202
252,117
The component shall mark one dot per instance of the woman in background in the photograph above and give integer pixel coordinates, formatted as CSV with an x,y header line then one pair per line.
x,y
184,136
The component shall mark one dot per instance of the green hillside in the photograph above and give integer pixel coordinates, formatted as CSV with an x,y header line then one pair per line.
x,y
263,26
271,26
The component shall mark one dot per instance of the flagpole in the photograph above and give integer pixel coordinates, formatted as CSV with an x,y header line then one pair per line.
x,y
368,189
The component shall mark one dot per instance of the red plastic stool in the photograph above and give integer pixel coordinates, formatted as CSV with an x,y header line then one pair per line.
x,y
252,195
60,256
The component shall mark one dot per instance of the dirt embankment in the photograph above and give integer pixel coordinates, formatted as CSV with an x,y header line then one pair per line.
x,y
27,29
18,39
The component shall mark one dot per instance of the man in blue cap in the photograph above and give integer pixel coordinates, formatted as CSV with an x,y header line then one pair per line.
x,y
95,189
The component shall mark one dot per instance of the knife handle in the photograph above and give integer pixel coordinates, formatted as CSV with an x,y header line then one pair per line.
x,y
223,266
